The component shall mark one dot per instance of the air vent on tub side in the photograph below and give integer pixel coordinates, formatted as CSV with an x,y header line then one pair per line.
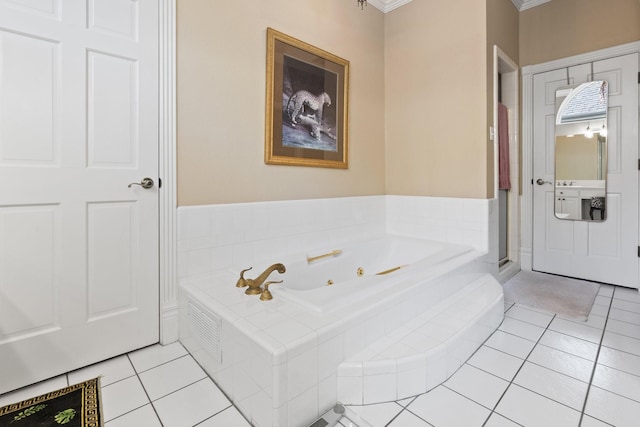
x,y
205,328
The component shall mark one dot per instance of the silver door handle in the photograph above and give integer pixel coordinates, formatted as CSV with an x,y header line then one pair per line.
x,y
541,181
145,183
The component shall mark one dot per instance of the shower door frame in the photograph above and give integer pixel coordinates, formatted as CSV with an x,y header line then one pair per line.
x,y
508,69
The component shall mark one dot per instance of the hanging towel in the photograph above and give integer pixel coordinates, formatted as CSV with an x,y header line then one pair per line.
x,y
504,182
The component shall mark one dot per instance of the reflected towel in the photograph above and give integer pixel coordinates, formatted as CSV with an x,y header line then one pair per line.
x,y
504,182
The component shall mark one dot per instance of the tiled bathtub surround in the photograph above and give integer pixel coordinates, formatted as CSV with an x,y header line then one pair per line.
x,y
451,220
280,363
214,238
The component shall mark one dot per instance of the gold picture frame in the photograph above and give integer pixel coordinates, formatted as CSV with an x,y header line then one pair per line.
x,y
306,105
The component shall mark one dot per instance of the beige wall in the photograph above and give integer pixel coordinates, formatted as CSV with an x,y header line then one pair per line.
x,y
420,90
576,158
221,57
416,69
436,110
563,28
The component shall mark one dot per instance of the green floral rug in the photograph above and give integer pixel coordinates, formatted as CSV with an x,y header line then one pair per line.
x,y
74,406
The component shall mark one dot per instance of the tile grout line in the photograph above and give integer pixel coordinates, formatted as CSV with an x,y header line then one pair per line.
x,y
406,408
566,352
470,399
629,323
412,413
160,364
401,411
561,373
231,404
529,323
595,363
617,394
130,411
215,415
518,371
145,389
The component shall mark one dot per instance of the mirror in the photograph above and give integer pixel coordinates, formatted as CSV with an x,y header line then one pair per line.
x,y
581,152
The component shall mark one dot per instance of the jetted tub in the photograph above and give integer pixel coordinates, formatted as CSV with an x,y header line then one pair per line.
x,y
285,361
361,270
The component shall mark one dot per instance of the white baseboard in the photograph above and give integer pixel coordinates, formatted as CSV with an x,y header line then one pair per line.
x,y
169,324
526,260
507,271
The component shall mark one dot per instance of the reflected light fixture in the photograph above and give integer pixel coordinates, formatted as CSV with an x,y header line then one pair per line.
x,y
588,133
603,131
362,3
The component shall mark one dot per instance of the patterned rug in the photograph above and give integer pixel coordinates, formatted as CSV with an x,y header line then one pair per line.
x,y
555,294
74,406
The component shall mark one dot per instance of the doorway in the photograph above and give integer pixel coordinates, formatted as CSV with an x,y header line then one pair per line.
x,y
78,235
602,251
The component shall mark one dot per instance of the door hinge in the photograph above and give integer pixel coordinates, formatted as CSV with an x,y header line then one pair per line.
x,y
160,179
639,77
638,251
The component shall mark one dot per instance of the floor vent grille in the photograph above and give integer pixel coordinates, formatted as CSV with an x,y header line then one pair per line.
x,y
206,329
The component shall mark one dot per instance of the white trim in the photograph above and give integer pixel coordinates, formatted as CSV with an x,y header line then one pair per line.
x,y
526,206
528,4
502,63
597,55
387,5
167,171
509,270
526,248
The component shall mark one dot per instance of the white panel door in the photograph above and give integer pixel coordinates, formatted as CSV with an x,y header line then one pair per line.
x,y
601,251
78,124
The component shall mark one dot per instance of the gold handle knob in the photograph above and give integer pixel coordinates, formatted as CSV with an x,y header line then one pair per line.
x,y
266,294
242,282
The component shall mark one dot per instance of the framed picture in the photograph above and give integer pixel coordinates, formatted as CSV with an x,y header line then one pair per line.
x,y
307,104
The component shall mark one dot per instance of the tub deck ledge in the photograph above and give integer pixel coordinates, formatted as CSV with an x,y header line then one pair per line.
x,y
418,356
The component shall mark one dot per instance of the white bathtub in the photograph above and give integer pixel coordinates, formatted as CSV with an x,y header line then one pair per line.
x,y
362,340
361,270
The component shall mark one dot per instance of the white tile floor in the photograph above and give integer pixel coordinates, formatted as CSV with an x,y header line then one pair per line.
x,y
537,369
153,387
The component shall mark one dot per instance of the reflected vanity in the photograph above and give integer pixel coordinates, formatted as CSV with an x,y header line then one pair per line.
x,y
581,152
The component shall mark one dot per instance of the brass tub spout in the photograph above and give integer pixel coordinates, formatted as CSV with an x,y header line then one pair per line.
x,y
255,285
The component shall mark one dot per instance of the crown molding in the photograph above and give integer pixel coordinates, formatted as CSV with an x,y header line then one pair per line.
x,y
527,4
387,5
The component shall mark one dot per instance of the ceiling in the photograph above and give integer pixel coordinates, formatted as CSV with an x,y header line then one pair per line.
x,y
388,5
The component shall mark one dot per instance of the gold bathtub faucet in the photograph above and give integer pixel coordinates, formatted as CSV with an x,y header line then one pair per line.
x,y
332,253
255,285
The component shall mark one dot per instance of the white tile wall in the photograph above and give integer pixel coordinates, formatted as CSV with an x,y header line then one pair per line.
x,y
453,220
219,240
214,238
236,236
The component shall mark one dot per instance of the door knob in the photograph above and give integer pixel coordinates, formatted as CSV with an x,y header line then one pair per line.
x,y
541,181
145,183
